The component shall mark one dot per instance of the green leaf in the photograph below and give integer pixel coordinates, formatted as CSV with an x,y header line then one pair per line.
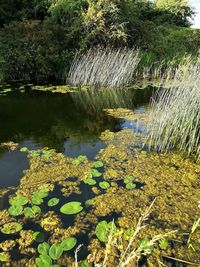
x,y
24,149
98,164
37,197
53,202
69,243
71,208
90,181
15,210
32,212
43,248
85,264
103,229
43,261
143,152
130,186
11,228
163,243
55,251
18,200
46,154
95,173
4,257
89,202
36,200
104,185
146,245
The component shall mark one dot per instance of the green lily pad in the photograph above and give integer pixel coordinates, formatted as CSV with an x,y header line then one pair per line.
x,y
103,230
90,181
71,208
4,257
55,251
15,210
130,186
53,202
11,228
146,245
24,149
98,164
43,261
104,185
89,202
37,197
46,154
95,173
43,248
69,243
18,200
32,212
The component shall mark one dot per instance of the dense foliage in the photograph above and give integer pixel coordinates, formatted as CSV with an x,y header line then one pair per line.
x,y
38,38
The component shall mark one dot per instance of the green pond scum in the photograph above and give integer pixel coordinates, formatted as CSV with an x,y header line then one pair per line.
x,y
136,201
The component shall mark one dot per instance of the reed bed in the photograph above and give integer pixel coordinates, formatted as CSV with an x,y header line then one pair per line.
x,y
175,117
102,67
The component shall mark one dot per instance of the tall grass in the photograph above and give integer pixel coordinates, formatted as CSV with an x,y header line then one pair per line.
x,y
175,117
104,67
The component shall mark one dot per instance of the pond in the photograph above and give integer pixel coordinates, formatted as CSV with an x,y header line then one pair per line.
x,y
78,169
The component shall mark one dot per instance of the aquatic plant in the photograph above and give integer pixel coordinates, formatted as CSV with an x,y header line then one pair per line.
x,y
98,164
71,208
104,185
15,210
69,243
104,67
103,229
175,117
4,257
130,186
53,202
11,228
95,173
18,200
37,197
31,212
90,181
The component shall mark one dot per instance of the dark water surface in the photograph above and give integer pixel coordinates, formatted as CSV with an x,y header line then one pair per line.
x,y
42,119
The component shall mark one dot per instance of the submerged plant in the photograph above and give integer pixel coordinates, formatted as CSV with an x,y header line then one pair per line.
x,y
175,118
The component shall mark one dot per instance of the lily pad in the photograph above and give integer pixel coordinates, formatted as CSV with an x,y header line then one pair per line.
x,y
103,229
98,164
11,228
129,177
95,173
43,248
130,186
104,185
71,208
53,202
18,200
89,202
32,212
69,243
55,251
43,261
24,149
15,210
90,181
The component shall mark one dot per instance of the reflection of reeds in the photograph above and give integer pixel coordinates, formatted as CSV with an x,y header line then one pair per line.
x,y
95,101
175,117
104,67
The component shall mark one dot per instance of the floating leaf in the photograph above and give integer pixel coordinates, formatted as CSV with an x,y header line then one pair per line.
x,y
69,243
130,186
79,160
32,212
143,152
55,251
163,243
90,181
71,208
128,233
46,154
24,149
43,261
104,185
37,201
95,173
18,200
43,248
53,202
129,177
15,210
39,237
146,245
4,257
37,197
89,202
98,164
103,229
11,228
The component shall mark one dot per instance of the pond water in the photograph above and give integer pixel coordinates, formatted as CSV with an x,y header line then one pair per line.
x,y
44,119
